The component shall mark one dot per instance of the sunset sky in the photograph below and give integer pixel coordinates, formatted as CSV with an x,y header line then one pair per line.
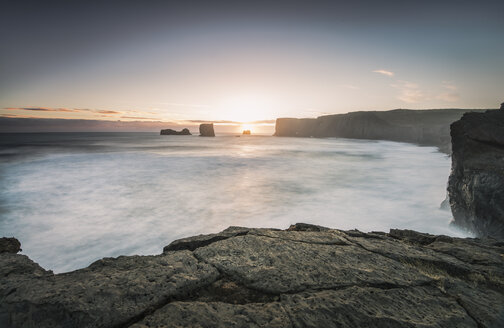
x,y
185,62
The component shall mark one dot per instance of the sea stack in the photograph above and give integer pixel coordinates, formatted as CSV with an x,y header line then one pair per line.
x,y
246,132
170,132
206,130
476,184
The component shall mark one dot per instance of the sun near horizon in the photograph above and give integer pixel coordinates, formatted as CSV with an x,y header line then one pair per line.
x,y
244,63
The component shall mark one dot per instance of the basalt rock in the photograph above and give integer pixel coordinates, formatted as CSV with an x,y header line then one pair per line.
x,y
206,130
305,276
423,127
170,132
476,183
9,245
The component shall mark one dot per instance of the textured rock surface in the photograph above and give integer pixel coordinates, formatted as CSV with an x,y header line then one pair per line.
x,y
206,130
305,276
184,132
424,127
476,184
9,245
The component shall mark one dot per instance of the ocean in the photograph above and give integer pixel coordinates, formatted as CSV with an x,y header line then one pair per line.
x,y
73,198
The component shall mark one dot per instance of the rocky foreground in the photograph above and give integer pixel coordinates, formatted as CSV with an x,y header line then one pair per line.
x,y
305,276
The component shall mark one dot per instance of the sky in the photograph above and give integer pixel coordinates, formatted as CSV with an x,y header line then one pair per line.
x,y
245,61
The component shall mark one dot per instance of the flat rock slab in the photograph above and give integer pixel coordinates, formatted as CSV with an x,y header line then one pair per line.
x,y
306,276
276,265
329,237
109,292
372,307
217,314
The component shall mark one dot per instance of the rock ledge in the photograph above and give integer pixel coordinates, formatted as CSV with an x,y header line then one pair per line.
x,y
305,276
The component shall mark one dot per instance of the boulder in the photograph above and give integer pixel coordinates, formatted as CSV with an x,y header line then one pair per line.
x,y
206,130
170,132
476,183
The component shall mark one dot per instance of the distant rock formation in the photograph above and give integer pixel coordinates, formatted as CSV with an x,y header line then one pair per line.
x,y
246,132
502,106
170,132
476,183
424,127
306,276
206,130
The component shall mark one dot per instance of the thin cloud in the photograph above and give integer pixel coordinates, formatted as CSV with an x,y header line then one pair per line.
x,y
106,112
64,110
449,85
451,95
141,118
384,72
409,92
183,105
43,109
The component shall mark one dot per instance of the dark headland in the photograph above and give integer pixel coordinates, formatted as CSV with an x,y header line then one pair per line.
x,y
424,127
305,276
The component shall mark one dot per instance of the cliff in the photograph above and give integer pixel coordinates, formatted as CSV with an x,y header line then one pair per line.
x,y
424,127
476,183
305,276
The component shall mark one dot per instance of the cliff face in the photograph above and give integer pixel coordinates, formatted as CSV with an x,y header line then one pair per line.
x,y
476,184
305,276
425,127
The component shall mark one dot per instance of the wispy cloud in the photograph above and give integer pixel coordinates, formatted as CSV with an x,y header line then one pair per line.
x,y
451,95
64,110
43,109
141,118
384,72
113,112
409,92
183,105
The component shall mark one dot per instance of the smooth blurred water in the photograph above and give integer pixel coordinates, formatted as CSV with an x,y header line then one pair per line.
x,y
74,198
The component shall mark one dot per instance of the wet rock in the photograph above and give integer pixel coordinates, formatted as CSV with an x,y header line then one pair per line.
x,y
476,183
184,132
206,130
